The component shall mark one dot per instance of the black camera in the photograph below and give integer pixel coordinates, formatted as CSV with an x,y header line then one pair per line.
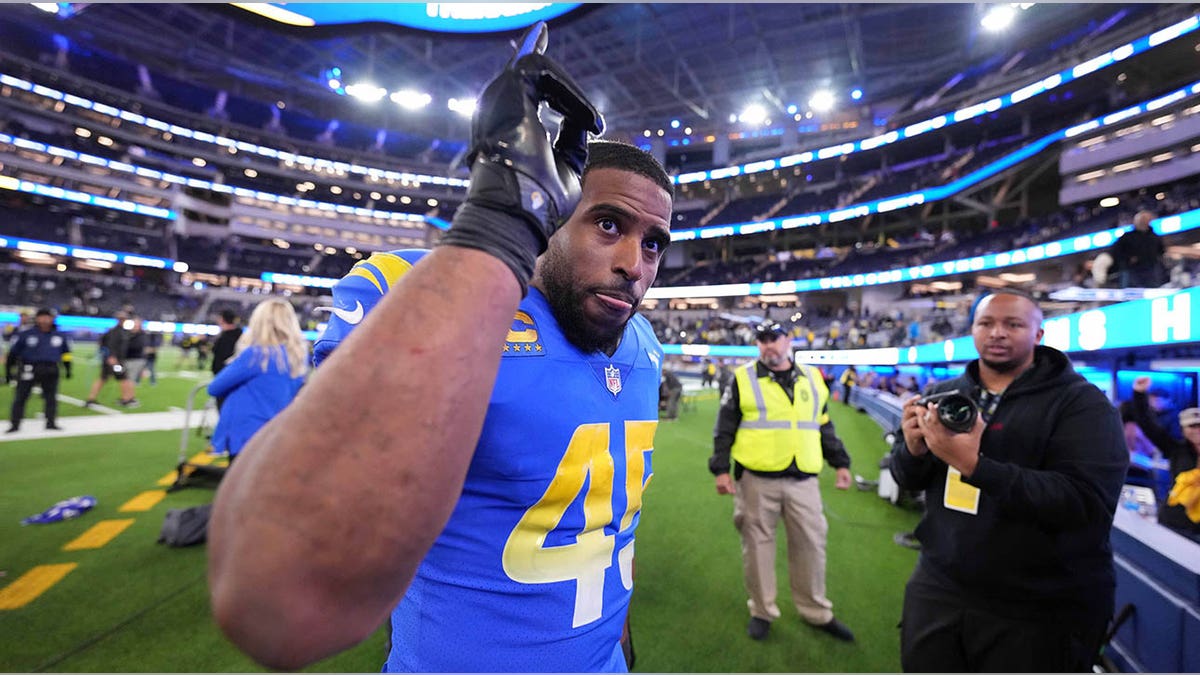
x,y
956,409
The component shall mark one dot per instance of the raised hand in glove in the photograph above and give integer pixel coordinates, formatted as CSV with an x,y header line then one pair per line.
x,y
523,187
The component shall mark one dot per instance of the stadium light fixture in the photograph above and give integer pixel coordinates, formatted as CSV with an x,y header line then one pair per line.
x,y
856,94
821,101
674,124
48,7
462,106
998,17
1109,202
410,99
365,91
753,114
791,109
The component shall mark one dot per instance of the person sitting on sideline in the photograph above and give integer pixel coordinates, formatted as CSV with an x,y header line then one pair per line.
x,y
265,374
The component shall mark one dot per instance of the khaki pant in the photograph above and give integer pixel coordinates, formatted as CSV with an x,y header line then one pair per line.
x,y
758,505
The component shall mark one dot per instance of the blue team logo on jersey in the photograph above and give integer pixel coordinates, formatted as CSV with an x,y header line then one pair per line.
x,y
612,379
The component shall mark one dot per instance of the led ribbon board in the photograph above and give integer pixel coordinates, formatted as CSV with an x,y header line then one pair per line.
x,y
440,17
97,324
1167,225
86,253
1153,322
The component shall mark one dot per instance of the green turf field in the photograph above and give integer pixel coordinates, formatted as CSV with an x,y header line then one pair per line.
x,y
134,605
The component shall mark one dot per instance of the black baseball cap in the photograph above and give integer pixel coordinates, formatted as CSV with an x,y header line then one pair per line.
x,y
768,330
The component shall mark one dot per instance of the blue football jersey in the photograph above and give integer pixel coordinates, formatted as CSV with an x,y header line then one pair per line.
x,y
356,293
533,571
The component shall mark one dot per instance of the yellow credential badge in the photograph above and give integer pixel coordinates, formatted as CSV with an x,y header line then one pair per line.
x,y
960,496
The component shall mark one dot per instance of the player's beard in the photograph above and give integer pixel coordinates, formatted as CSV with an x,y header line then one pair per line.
x,y
566,296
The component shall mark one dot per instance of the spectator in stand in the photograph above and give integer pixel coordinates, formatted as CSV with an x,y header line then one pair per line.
x,y
1180,514
1138,254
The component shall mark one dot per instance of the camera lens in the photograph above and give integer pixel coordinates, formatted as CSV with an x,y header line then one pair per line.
x,y
957,412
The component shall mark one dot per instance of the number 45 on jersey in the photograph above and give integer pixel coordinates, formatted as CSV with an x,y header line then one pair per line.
x,y
528,560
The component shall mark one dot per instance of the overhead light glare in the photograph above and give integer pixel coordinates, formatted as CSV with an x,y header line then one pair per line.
x,y
821,101
753,114
462,106
998,18
365,91
411,99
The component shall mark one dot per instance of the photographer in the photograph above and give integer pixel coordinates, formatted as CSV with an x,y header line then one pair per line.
x,y
1016,571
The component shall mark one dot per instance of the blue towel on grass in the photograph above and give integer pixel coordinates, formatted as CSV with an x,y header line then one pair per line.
x,y
64,510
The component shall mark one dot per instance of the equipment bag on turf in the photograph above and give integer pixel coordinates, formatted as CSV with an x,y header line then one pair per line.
x,y
185,527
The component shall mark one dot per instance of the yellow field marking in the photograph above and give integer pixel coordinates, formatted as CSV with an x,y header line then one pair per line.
x,y
202,458
99,534
199,459
33,583
145,501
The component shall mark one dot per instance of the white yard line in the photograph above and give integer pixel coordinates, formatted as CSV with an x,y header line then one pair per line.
x,y
95,406
102,424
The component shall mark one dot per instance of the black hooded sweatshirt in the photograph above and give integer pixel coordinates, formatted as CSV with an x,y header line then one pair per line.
x,y
1051,466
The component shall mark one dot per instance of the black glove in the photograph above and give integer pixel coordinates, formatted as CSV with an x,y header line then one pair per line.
x,y
67,369
523,188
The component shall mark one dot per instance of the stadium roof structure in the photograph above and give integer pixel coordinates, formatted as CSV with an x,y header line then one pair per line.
x,y
644,64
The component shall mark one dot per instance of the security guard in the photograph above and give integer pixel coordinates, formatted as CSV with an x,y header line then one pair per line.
x,y
37,352
774,424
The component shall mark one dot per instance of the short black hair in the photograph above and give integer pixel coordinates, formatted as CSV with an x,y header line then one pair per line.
x,y
1003,291
626,157
229,316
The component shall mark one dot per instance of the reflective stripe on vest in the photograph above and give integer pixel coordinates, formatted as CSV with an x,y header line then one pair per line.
x,y
765,444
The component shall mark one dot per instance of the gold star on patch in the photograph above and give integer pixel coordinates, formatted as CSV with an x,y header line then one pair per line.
x,y
528,348
538,347
506,347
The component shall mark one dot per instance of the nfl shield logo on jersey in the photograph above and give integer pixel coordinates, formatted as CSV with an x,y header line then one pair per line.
x,y
612,379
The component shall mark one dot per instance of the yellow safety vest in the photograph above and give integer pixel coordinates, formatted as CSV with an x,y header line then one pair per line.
x,y
775,431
